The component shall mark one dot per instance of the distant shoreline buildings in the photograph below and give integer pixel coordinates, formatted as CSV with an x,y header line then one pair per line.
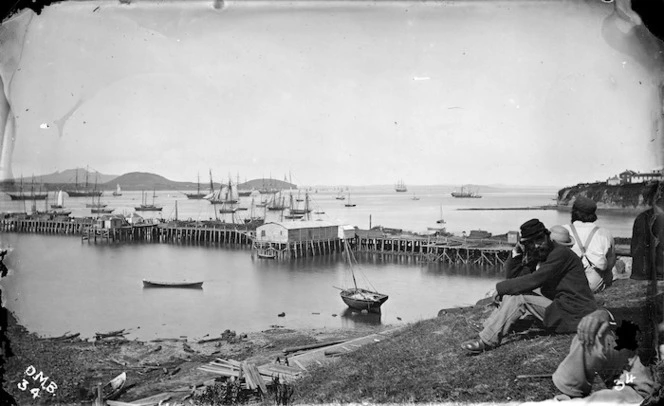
x,y
628,177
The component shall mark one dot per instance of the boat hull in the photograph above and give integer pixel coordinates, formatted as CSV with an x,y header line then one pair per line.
x,y
83,193
165,284
195,196
362,299
36,196
148,208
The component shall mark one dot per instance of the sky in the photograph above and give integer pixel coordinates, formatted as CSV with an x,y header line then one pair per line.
x,y
483,92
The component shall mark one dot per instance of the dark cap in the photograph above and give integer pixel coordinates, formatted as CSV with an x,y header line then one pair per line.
x,y
531,229
584,205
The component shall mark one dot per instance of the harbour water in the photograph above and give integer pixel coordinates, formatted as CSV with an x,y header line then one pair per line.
x,y
59,283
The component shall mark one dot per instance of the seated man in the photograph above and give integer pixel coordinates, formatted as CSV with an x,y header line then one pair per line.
x,y
558,272
596,349
594,244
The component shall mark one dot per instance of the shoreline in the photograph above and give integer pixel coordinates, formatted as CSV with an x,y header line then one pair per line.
x,y
76,365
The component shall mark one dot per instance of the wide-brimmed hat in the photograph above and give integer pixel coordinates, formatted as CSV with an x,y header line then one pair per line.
x,y
584,205
531,229
561,235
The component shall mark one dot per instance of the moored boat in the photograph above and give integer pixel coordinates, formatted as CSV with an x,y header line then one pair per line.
x,y
400,186
360,298
172,284
466,193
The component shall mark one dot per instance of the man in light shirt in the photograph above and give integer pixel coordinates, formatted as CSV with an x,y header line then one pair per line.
x,y
594,244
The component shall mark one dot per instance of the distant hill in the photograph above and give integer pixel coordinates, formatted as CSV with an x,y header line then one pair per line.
x,y
147,181
258,184
71,176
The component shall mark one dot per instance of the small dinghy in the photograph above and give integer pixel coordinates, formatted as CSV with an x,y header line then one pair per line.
x,y
167,284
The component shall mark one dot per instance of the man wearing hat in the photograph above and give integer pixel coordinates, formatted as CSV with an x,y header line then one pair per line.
x,y
537,262
594,244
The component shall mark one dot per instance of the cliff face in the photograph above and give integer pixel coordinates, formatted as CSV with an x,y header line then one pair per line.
x,y
630,197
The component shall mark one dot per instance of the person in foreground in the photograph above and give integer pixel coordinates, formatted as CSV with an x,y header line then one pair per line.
x,y
537,262
597,349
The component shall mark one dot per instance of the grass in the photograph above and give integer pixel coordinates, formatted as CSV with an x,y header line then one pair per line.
x,y
424,362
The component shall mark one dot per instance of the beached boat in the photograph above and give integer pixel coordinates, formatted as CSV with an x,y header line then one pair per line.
x,y
360,298
466,193
172,284
400,186
147,207
114,387
118,191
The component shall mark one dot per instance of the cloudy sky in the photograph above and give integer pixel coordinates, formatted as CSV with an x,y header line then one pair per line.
x,y
513,92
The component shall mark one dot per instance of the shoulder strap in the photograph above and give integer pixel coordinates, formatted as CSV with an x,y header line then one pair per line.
x,y
583,246
578,240
590,236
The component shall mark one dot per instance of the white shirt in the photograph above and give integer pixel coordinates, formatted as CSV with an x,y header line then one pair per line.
x,y
600,251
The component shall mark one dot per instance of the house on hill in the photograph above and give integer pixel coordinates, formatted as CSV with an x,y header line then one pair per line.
x,y
629,176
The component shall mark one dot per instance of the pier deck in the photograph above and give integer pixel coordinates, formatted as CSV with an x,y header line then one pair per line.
x,y
425,249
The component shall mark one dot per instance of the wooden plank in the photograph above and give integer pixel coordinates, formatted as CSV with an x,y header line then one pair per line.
x,y
151,400
219,372
255,376
299,364
247,376
311,346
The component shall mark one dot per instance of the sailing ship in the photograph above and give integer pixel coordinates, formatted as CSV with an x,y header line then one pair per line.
x,y
198,195
415,197
85,191
400,186
223,196
439,228
293,212
253,219
277,203
349,204
34,195
359,298
59,200
144,204
118,191
340,195
306,210
466,193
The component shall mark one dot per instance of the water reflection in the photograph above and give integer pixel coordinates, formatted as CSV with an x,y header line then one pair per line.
x,y
350,318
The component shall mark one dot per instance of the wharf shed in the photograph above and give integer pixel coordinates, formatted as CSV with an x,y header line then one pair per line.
x,y
297,231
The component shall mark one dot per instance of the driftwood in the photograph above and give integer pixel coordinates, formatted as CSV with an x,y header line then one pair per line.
x,y
118,333
65,336
534,376
210,340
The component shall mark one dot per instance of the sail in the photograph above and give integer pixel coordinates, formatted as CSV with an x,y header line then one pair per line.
x,y
117,189
61,198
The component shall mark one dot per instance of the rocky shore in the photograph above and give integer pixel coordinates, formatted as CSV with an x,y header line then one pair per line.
x,y
77,365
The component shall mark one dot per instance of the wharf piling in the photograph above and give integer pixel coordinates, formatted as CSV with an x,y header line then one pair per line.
x,y
489,252
422,249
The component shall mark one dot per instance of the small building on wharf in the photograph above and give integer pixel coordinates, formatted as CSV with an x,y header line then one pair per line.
x,y
295,239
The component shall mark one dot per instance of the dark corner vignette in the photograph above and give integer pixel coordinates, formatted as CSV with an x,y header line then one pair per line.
x,y
7,9
652,14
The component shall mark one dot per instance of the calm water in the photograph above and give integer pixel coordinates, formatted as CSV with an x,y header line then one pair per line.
x,y
59,284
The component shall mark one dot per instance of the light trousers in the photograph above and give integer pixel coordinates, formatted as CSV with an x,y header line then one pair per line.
x,y
511,309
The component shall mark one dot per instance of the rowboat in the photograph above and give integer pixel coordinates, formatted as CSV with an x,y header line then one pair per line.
x,y
267,255
113,388
168,284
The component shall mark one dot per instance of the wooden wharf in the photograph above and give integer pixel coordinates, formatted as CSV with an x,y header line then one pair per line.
x,y
424,249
